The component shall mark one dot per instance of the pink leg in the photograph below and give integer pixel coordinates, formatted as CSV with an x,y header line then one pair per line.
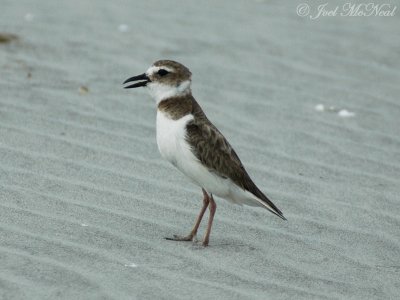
x,y
193,233
213,208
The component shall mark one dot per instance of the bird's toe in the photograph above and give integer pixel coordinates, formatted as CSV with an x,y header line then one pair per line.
x,y
179,238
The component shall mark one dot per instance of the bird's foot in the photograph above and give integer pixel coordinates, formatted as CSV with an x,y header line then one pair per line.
x,y
188,238
179,238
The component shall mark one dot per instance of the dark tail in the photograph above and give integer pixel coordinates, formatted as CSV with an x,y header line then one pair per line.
x,y
266,203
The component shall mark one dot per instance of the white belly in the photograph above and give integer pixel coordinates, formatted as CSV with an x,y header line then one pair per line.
x,y
171,141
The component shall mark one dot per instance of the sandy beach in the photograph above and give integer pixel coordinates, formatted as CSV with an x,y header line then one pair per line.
x,y
310,105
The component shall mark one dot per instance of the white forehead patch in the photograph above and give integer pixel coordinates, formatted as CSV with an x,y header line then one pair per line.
x,y
154,69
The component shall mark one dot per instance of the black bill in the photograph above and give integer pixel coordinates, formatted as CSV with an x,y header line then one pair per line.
x,y
137,84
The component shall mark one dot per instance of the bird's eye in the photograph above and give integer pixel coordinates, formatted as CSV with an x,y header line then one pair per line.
x,y
162,72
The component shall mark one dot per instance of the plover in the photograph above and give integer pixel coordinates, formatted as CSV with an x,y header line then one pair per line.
x,y
189,141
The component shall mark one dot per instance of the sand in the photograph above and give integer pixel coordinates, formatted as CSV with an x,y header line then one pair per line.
x,y
311,107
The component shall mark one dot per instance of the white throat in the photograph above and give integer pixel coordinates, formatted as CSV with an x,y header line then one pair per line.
x,y
161,91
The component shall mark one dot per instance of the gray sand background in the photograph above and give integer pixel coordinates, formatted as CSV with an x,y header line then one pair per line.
x,y
86,200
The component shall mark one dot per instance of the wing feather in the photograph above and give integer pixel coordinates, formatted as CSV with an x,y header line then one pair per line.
x,y
214,151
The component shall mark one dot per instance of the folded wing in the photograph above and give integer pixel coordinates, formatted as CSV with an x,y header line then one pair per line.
x,y
214,151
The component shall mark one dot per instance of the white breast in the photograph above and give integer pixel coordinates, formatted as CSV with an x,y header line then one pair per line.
x,y
171,137
172,144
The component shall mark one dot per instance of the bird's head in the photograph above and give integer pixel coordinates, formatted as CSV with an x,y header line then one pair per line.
x,y
164,79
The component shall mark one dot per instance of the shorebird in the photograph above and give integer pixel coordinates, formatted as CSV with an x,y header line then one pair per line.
x,y
190,142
